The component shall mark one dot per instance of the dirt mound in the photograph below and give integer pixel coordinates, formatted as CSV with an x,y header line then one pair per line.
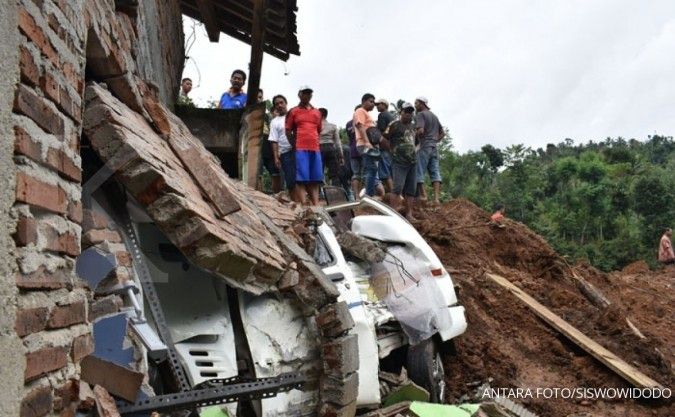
x,y
637,267
509,346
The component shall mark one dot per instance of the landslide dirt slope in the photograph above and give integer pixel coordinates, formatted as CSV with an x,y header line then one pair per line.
x,y
505,341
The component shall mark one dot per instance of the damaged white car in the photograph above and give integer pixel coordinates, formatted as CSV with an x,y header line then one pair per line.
x,y
400,297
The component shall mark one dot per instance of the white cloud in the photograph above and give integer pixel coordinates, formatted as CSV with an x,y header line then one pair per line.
x,y
499,72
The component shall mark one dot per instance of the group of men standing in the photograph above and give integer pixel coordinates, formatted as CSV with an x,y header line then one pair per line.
x,y
391,155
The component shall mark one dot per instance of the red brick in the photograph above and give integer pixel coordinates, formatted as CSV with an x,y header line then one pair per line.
x,y
67,315
49,86
64,164
31,320
75,211
40,194
24,144
104,306
92,219
74,76
123,258
82,346
37,403
43,361
26,231
105,404
67,393
119,380
34,32
44,280
70,104
94,237
28,103
67,243
30,72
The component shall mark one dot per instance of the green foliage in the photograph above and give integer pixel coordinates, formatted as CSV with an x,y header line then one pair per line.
x,y
607,202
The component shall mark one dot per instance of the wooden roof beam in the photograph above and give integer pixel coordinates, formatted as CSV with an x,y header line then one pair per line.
x,y
208,14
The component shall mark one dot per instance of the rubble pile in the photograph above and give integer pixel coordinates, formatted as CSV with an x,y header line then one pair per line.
x,y
507,346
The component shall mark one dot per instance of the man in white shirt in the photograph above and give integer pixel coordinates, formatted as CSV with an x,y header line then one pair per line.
x,y
282,150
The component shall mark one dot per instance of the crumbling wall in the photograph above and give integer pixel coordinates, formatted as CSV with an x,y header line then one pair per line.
x,y
45,317
11,370
162,27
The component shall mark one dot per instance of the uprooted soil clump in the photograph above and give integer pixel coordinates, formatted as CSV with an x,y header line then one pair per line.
x,y
509,347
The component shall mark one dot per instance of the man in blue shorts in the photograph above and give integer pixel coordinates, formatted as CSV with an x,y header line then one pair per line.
x,y
428,132
303,123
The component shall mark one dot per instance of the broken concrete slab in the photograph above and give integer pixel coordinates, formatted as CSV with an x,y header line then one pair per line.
x,y
360,247
341,391
116,379
340,356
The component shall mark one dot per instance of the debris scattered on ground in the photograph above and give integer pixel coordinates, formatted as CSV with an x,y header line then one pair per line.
x,y
505,341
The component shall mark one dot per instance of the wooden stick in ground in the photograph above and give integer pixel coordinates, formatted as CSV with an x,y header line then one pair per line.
x,y
613,362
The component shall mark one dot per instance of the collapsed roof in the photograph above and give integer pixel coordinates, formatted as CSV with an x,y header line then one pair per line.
x,y
236,19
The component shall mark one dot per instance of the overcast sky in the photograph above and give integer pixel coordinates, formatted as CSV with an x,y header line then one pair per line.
x,y
500,72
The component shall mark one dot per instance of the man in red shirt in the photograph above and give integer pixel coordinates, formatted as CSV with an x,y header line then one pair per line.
x,y
303,124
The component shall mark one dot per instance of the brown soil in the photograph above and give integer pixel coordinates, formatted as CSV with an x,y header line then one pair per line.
x,y
506,342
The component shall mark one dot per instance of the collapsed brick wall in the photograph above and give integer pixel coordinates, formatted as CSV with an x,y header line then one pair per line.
x,y
58,41
55,41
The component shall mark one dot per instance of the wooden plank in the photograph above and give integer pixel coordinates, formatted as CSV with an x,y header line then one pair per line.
x,y
208,13
616,364
257,41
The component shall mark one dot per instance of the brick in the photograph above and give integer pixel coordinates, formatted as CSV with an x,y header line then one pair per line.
x,y
64,164
42,279
86,397
43,361
70,104
92,219
28,103
105,404
118,380
334,410
67,393
94,237
50,87
26,231
37,403
74,77
67,315
67,243
340,391
104,306
30,72
34,32
334,319
123,258
25,144
341,356
32,191
82,346
31,320
74,212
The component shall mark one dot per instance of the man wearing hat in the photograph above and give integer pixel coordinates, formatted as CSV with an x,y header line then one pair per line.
x,y
303,123
428,132
383,120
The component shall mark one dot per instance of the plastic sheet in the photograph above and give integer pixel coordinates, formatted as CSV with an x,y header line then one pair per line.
x,y
404,282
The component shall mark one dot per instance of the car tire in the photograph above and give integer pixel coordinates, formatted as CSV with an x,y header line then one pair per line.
x,y
425,368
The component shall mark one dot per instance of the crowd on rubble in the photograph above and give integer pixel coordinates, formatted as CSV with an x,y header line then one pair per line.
x,y
387,158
